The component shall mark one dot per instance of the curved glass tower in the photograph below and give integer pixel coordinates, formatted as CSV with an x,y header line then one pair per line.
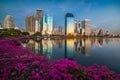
x,y
69,24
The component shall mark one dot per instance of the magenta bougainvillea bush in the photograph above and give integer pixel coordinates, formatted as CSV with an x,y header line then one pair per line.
x,y
18,63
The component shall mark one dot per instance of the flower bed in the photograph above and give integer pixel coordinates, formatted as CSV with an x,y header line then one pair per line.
x,y
18,63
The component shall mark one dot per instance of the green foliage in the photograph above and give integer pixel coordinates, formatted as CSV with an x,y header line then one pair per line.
x,y
12,32
38,34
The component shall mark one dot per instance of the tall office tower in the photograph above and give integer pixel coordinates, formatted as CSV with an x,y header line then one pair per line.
x,y
69,24
39,21
60,30
79,28
30,24
56,31
9,22
47,24
86,27
76,26
100,32
1,26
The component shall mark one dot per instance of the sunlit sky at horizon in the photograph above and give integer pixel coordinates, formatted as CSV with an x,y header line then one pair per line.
x,y
102,13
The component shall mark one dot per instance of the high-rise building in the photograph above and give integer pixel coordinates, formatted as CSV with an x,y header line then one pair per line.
x,y
69,24
76,26
60,30
100,32
39,21
9,22
47,24
1,26
79,28
56,31
86,27
30,24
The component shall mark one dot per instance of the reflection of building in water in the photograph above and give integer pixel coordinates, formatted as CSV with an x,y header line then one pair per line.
x,y
35,47
86,46
82,46
31,46
100,42
93,41
47,48
107,40
57,43
69,46
39,47
78,46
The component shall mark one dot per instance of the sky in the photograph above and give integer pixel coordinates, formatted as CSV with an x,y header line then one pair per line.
x,y
103,14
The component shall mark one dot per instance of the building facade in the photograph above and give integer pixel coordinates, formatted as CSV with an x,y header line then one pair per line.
x,y
100,32
39,21
30,24
1,26
78,27
75,26
9,22
86,27
69,24
47,24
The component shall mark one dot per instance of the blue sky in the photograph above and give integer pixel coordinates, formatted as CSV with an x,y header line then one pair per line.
x,y
102,13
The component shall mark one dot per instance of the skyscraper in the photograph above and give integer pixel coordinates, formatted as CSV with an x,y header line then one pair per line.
x,y
1,26
39,21
60,30
9,22
100,32
30,24
47,24
79,28
76,26
86,27
69,24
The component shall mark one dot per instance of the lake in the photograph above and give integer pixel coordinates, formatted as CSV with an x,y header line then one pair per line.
x,y
86,51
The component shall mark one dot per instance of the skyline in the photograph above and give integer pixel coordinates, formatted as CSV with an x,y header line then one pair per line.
x,y
102,13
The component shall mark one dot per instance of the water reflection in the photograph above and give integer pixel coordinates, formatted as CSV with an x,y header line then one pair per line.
x,y
86,51
71,46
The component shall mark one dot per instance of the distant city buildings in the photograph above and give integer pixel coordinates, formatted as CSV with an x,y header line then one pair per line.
x,y
20,28
86,27
47,24
74,27
30,24
78,27
43,24
39,21
58,31
69,24
100,32
1,27
9,22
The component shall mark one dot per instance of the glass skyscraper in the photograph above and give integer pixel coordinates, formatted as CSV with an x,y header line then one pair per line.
x,y
86,27
39,21
69,24
47,24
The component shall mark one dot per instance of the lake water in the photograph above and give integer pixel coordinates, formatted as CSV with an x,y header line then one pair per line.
x,y
86,51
